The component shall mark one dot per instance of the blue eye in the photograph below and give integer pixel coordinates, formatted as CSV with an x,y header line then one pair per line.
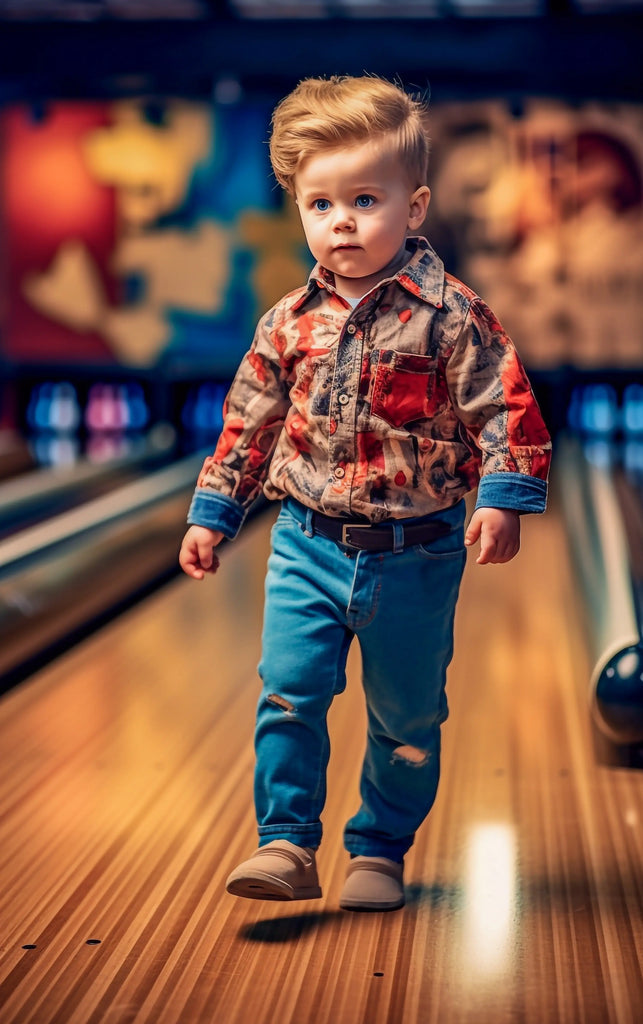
x,y
323,205
364,202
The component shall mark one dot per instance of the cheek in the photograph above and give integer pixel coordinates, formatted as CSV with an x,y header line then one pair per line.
x,y
314,236
386,233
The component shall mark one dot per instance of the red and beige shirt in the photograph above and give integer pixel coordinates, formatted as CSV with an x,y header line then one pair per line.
x,y
394,408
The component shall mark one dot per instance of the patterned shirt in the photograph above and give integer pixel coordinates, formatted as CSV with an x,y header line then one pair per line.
x,y
394,408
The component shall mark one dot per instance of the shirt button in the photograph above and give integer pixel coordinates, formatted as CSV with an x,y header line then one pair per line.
x,y
339,472
343,399
351,328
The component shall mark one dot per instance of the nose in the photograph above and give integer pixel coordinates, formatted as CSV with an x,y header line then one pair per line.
x,y
343,219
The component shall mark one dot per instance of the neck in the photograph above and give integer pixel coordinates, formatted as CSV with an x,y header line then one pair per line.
x,y
355,287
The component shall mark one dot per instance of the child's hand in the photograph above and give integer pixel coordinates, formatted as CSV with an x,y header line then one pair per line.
x,y
499,532
196,556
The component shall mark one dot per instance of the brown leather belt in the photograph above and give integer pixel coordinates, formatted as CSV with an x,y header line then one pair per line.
x,y
377,536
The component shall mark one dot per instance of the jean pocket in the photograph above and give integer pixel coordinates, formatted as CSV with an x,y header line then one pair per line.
x,y
449,546
407,388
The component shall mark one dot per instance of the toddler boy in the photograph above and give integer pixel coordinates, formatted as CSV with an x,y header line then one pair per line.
x,y
371,401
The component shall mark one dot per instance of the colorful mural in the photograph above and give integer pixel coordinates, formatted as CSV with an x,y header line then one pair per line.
x,y
142,234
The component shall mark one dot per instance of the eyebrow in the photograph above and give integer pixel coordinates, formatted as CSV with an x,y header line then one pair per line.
x,y
358,190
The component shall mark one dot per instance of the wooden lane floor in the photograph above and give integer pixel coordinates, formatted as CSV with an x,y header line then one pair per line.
x,y
126,798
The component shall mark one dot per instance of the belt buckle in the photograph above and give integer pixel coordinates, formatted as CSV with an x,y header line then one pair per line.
x,y
351,526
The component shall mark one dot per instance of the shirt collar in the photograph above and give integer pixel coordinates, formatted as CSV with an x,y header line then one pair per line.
x,y
422,275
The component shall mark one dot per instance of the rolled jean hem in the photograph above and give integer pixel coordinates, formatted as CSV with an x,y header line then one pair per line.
x,y
299,835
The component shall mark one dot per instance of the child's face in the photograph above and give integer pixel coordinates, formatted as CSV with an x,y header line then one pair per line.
x,y
356,206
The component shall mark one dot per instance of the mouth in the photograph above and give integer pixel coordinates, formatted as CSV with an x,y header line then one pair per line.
x,y
346,246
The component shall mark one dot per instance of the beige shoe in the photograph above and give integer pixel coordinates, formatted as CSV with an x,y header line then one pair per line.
x,y
373,883
277,871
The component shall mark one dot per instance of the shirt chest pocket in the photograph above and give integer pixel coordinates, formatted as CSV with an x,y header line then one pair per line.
x,y
407,388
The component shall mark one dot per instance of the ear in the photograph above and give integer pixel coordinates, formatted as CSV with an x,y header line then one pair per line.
x,y
418,205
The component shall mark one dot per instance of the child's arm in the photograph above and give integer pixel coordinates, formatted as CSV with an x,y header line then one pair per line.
x,y
499,532
492,397
197,556
231,479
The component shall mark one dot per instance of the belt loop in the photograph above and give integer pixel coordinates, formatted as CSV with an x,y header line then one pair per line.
x,y
309,530
398,538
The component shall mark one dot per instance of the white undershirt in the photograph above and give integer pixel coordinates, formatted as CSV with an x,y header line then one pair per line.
x,y
351,301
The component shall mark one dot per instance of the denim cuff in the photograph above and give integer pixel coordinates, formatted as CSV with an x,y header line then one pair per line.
x,y
216,512
512,490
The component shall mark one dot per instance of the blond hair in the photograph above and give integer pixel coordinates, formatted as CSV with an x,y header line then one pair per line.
x,y
328,113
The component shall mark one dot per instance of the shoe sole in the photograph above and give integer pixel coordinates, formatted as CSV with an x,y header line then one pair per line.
x,y
262,886
348,904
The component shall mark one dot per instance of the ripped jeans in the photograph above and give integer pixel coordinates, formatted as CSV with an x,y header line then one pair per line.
x,y
319,595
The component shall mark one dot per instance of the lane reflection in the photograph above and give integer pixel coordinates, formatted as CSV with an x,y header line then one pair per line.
x,y
490,912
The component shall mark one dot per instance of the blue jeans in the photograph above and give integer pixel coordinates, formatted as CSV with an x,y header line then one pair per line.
x,y
319,595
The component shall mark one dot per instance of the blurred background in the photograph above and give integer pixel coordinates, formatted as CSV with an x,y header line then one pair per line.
x,y
143,235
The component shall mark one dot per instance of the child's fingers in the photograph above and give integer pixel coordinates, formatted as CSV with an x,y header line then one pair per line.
x,y
192,569
196,556
196,560
496,551
488,548
214,563
499,533
208,560
473,532
189,562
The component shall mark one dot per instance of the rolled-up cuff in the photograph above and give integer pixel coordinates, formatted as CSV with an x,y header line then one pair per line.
x,y
216,512
512,490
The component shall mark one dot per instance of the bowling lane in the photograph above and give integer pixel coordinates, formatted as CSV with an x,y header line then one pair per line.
x,y
59,577
36,495
96,526
126,798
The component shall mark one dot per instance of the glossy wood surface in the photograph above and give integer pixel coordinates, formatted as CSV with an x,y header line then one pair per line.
x,y
126,798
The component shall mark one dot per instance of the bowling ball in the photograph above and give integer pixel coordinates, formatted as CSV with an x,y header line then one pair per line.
x,y
618,696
